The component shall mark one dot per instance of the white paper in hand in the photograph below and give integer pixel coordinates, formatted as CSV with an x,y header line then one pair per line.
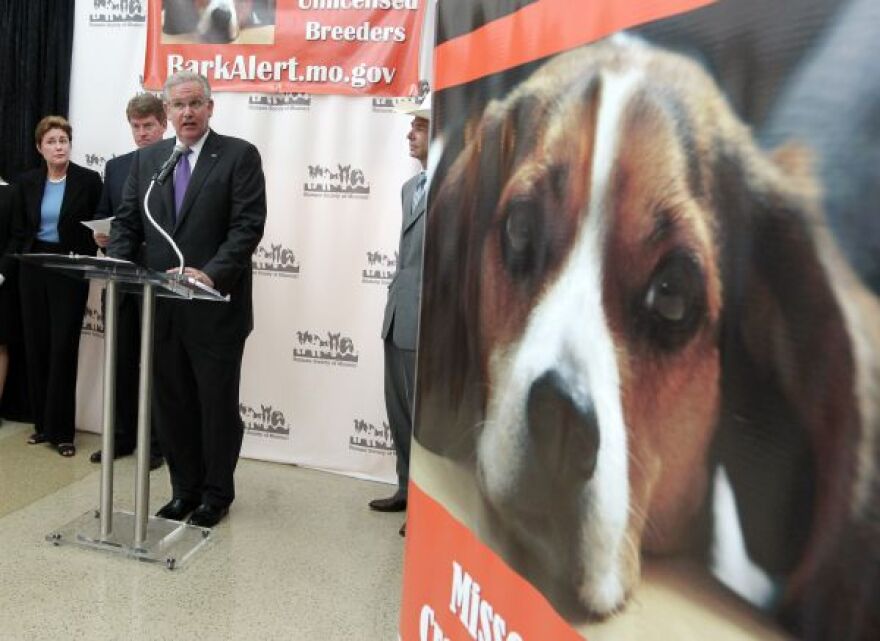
x,y
100,226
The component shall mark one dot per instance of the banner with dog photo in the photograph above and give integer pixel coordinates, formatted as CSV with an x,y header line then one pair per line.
x,y
648,398
347,47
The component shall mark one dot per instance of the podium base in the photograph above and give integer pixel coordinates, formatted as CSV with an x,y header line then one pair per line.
x,y
169,543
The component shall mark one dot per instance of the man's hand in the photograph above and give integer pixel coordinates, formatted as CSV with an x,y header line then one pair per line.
x,y
101,240
196,274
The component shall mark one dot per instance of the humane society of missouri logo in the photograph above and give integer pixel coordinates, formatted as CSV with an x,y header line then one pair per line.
x,y
327,348
380,268
265,422
98,162
118,12
280,102
93,321
275,260
388,105
342,181
367,437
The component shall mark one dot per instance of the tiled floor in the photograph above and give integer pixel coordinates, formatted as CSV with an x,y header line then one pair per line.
x,y
299,557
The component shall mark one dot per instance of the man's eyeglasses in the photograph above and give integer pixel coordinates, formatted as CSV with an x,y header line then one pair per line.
x,y
195,104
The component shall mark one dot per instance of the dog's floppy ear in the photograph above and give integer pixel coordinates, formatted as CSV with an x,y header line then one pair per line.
x,y
460,210
790,411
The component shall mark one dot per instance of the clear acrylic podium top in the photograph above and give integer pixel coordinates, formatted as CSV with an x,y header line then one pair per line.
x,y
129,276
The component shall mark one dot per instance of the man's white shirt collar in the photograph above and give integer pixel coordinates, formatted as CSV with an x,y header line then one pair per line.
x,y
196,149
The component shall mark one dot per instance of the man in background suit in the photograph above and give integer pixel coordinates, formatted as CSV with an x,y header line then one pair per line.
x,y
215,210
146,117
401,324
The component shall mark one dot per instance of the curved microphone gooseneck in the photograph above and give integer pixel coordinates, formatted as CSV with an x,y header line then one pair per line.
x,y
160,177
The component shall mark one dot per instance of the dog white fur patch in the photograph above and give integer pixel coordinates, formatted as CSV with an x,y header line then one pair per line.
x,y
567,332
730,560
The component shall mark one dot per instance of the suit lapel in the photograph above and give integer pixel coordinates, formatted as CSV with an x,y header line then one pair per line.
x,y
72,188
167,193
410,214
165,214
34,197
207,159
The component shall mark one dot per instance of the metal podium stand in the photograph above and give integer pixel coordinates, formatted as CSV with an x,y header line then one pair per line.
x,y
135,535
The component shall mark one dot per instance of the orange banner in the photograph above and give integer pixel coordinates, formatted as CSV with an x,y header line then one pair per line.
x,y
350,47
539,30
456,589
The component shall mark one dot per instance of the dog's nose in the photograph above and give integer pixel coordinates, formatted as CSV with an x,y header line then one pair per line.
x,y
220,19
564,430
218,30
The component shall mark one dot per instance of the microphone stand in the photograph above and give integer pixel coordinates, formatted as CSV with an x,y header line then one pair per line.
x,y
158,227
145,390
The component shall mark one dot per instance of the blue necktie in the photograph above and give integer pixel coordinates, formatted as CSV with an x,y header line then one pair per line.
x,y
182,174
417,194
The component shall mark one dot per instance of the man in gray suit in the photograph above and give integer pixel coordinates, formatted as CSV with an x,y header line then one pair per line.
x,y
401,324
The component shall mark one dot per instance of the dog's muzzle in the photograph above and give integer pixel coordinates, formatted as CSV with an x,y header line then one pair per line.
x,y
546,502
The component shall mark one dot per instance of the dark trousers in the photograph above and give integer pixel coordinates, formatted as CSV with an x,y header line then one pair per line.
x,y
52,307
128,358
400,374
195,402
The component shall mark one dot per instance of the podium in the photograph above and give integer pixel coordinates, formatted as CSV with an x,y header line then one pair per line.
x,y
134,535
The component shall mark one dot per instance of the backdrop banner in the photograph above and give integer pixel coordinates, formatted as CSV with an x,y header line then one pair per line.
x,y
312,379
648,390
354,47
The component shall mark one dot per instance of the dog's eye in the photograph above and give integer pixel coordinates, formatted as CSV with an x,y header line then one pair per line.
x,y
518,238
665,301
674,302
519,229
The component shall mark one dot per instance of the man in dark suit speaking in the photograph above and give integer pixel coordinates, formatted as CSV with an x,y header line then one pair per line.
x,y
215,210
146,118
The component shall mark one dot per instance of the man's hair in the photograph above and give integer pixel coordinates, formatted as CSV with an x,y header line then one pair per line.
x,y
145,105
52,122
183,77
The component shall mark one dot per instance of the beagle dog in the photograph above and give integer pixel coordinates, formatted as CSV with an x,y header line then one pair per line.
x,y
641,295
217,21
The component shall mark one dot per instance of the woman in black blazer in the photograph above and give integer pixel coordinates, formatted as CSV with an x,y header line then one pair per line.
x,y
9,312
55,199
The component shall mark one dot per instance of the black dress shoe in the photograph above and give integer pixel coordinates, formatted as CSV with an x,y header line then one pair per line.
x,y
96,455
396,503
207,515
176,509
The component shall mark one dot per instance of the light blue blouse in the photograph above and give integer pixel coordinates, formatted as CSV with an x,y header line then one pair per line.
x,y
50,211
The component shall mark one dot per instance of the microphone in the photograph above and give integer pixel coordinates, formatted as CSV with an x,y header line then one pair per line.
x,y
168,167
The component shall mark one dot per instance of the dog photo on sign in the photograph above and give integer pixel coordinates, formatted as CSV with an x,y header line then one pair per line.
x,y
638,327
218,21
